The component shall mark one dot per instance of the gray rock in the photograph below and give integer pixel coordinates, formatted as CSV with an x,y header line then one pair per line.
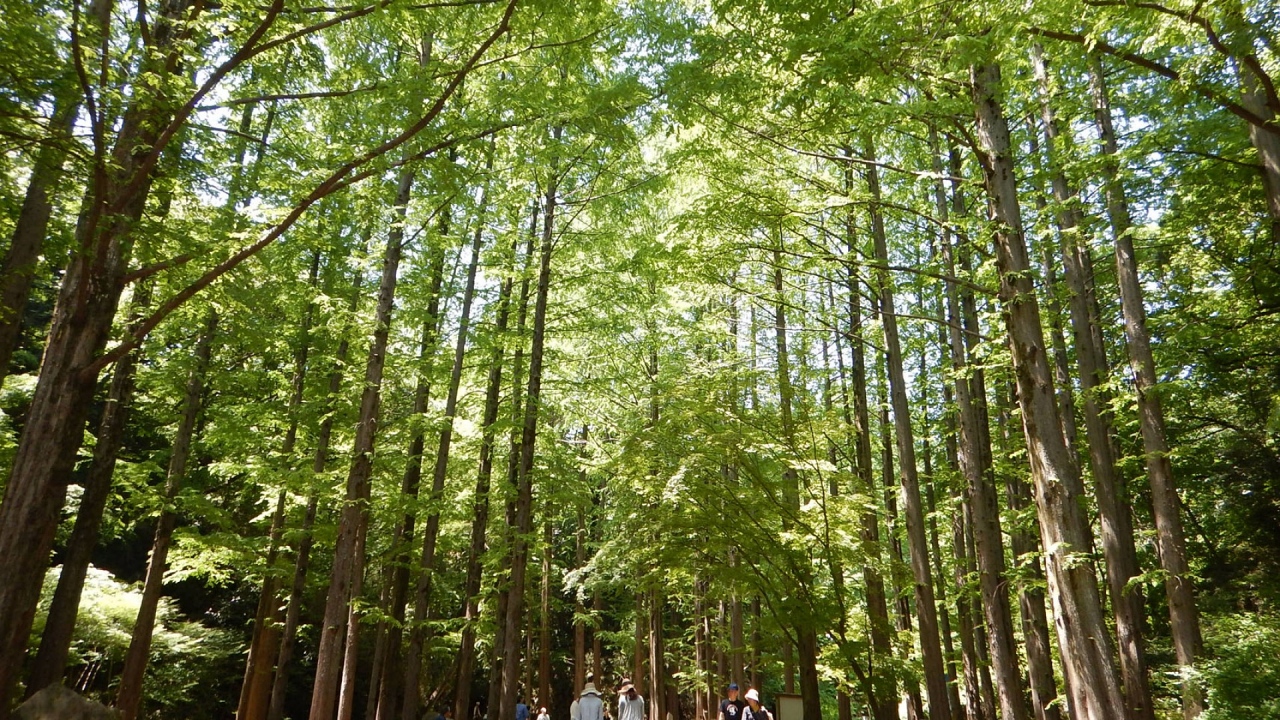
x,y
60,703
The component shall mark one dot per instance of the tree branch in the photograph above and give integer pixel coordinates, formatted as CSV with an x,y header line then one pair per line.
x,y
338,180
1225,103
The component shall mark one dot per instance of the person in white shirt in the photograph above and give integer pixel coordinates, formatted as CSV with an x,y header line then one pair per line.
x,y
630,703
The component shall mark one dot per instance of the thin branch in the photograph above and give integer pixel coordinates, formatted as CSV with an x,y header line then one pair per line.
x,y
338,180
148,271
1208,93
289,96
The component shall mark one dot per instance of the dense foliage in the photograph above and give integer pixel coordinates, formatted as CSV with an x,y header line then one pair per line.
x,y
379,358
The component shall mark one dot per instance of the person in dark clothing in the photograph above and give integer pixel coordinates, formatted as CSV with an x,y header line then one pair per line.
x,y
731,707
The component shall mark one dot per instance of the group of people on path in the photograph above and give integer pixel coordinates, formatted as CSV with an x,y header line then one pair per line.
x,y
590,705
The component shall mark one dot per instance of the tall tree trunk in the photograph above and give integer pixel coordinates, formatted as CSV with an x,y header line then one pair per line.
x,y
129,694
480,503
17,270
1170,541
498,669
1113,508
1083,641
302,559
975,466
79,330
348,558
431,533
55,642
528,439
387,691
255,692
884,704
926,608
806,634
902,604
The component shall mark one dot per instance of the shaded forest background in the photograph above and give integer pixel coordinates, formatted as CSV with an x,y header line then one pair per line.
x,y
368,360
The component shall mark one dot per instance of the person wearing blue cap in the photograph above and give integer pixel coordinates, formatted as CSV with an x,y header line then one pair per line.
x,y
731,707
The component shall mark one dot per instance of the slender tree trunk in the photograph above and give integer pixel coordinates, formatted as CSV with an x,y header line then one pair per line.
x,y
59,628
884,705
498,670
480,503
129,694
975,466
351,645
528,439
597,641
1083,641
902,604
544,617
348,563
806,634
1116,525
387,690
81,324
431,533
302,560
1170,541
579,608
255,692
657,657
926,608
702,686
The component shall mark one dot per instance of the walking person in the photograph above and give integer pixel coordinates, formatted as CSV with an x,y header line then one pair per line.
x,y
522,710
731,707
630,703
542,714
590,704
754,710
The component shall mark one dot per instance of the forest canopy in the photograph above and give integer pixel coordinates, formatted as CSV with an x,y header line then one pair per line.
x,y
893,360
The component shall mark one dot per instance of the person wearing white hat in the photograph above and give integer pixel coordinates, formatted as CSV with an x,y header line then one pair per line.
x,y
754,710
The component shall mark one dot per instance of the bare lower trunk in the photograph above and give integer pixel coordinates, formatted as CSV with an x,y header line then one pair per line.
x,y
544,619
1170,542
657,657
129,694
1083,640
351,647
